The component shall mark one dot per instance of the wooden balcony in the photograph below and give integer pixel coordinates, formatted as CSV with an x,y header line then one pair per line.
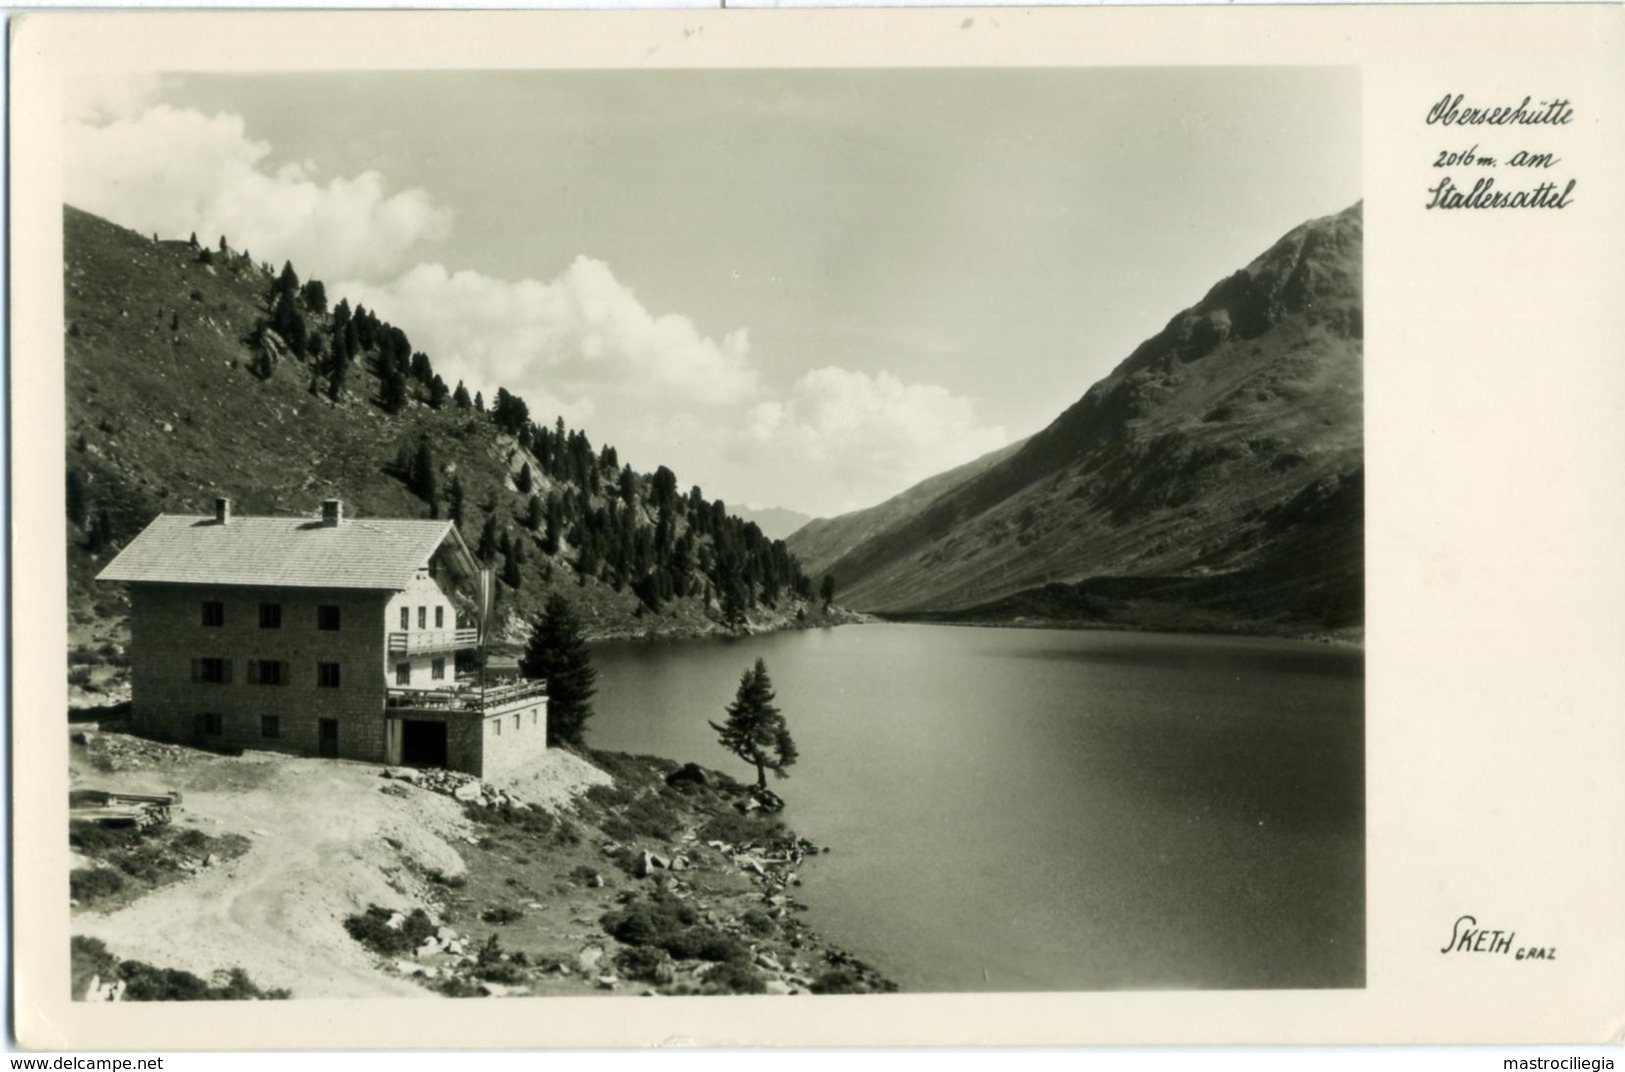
x,y
497,697
431,640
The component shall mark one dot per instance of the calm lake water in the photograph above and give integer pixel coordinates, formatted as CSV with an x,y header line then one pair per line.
x,y
1026,809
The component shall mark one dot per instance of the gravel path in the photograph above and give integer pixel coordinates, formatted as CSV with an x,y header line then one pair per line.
x,y
326,842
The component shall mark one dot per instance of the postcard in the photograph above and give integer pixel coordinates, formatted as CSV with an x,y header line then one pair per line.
x,y
822,527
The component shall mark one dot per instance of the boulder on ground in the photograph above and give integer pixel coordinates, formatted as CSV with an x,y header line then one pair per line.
x,y
688,774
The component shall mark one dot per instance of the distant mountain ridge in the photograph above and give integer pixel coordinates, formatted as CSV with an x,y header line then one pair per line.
x,y
1213,480
822,541
776,522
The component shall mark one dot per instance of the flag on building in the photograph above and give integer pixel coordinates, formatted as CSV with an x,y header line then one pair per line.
x,y
488,591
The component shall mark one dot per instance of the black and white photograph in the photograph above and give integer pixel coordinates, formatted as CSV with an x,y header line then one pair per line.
x,y
715,532
741,531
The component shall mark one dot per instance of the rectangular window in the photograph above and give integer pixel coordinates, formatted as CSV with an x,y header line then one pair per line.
x,y
212,724
270,726
212,671
437,670
406,618
327,675
267,672
423,617
214,613
403,673
327,618
517,715
497,722
270,616
440,617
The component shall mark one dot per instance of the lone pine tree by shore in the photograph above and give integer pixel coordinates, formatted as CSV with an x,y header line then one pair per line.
x,y
755,730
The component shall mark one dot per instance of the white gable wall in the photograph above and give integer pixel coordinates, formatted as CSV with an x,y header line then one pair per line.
x,y
424,604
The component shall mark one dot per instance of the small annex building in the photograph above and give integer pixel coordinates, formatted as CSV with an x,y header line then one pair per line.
x,y
320,636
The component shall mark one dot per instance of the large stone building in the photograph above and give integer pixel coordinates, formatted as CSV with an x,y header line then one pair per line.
x,y
320,636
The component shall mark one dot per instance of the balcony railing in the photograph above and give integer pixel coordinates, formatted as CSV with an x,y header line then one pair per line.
x,y
471,697
425,641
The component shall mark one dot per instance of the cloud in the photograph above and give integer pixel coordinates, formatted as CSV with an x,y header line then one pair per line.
x,y
174,171
858,438
584,346
580,344
582,340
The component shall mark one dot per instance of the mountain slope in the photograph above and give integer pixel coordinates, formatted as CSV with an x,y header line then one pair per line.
x,y
822,541
179,389
1212,480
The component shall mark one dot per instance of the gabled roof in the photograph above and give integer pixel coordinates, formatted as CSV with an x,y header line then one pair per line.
x,y
360,553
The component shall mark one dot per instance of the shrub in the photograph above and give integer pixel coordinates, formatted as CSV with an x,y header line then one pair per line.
x,y
145,862
238,987
507,974
837,981
652,922
92,838
458,986
653,817
79,676
663,922
621,766
618,828
89,958
501,914
613,795
493,967
734,978
628,859
451,882
531,821
584,875
371,928
758,923
192,840
720,948
90,884
736,829
645,963
143,982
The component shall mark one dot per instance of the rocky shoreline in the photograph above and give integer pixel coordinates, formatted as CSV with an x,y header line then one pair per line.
x,y
596,873
685,914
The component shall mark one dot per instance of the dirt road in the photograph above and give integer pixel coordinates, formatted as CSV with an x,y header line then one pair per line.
x,y
326,842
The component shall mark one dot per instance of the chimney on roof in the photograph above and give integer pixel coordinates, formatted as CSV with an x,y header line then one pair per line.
x,y
222,511
332,512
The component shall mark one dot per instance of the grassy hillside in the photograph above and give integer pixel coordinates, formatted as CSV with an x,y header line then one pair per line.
x,y
177,392
1212,480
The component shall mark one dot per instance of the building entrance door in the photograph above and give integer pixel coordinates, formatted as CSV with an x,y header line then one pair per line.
x,y
423,743
327,738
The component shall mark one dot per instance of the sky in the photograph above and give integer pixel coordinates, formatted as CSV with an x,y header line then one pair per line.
x,y
808,289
